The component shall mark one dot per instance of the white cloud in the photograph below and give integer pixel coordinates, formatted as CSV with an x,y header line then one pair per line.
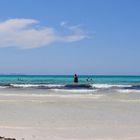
x,y
63,23
23,34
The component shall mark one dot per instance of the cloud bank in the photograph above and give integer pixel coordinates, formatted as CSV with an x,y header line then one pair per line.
x,y
27,34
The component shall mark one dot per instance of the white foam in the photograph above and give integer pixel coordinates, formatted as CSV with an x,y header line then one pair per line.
x,y
24,85
54,85
2,87
36,85
74,90
109,85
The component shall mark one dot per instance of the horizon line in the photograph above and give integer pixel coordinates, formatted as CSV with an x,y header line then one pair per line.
x,y
68,74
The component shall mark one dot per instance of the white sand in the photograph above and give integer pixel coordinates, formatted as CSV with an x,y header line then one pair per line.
x,y
27,116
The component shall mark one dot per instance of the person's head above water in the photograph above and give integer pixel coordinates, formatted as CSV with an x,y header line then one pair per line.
x,y
75,78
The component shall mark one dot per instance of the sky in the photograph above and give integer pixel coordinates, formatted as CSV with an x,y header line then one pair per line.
x,y
89,37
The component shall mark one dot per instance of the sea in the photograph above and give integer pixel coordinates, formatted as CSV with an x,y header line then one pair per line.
x,y
92,83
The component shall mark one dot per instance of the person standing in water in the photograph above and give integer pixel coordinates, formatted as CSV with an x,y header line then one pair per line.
x,y
75,78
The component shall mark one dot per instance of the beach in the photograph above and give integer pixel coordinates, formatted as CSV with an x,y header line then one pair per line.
x,y
61,115
70,70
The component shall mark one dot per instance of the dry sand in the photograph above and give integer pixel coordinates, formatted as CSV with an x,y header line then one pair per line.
x,y
27,116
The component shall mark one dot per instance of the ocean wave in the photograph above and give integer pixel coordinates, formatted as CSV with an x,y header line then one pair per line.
x,y
23,85
36,85
2,87
74,87
53,86
109,86
71,86
75,90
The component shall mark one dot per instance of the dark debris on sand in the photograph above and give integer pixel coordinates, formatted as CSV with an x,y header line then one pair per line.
x,y
3,138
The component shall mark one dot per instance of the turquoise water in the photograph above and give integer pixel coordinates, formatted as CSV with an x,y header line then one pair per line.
x,y
66,79
66,82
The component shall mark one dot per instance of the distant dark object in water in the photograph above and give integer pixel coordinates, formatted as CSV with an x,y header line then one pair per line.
x,y
89,79
19,79
75,78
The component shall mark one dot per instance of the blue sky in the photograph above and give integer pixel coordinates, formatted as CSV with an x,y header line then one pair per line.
x,y
70,36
